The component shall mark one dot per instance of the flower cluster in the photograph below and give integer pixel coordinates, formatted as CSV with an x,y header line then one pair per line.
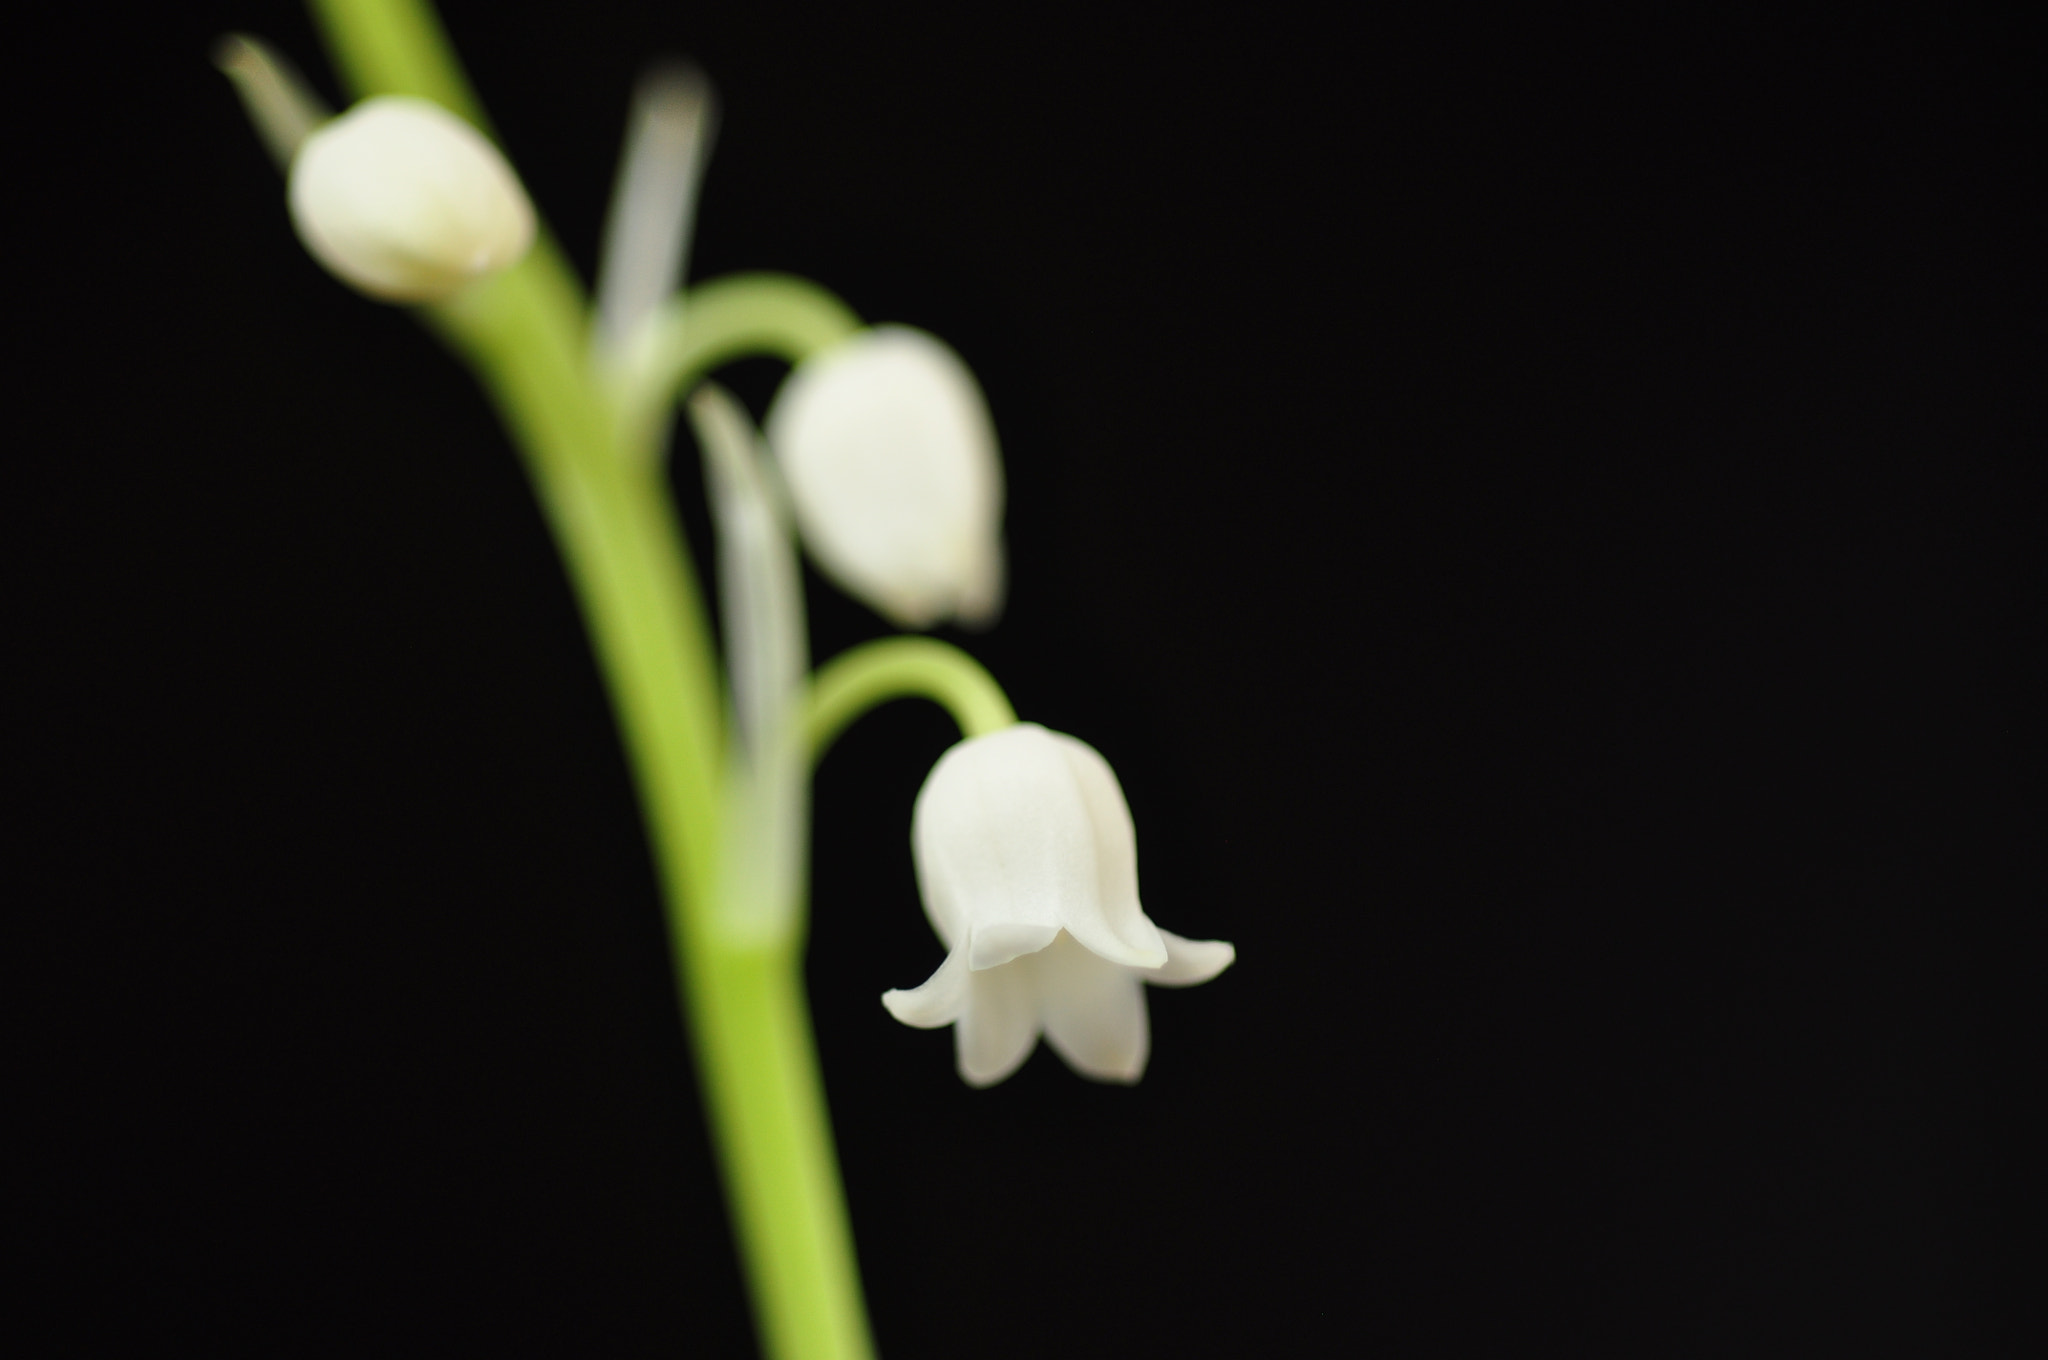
x,y
883,450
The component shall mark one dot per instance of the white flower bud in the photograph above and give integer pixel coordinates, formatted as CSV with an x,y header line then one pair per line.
x,y
1029,870
890,457
407,202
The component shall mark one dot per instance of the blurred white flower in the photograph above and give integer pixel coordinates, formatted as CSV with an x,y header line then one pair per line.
x,y
407,202
1029,870
890,457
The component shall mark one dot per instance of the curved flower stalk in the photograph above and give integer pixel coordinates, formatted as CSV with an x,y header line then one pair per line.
x,y
891,460
1028,866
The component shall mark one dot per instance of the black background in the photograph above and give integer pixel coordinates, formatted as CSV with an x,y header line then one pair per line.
x,y
1544,520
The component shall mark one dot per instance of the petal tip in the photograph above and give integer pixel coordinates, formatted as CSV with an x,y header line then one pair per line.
x,y
937,1003
983,1075
1189,962
1124,1075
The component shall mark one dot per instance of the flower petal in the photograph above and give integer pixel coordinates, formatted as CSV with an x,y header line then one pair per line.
x,y
939,1002
1094,1013
992,946
999,1027
1108,920
1190,961
1001,839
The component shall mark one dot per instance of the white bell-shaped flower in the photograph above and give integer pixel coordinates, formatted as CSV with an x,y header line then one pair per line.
x,y
1028,866
890,457
407,202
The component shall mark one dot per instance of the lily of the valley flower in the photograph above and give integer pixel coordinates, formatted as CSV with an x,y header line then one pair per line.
x,y
890,457
407,202
1028,866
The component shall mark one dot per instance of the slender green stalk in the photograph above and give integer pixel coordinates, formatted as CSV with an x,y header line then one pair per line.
x,y
755,1054
624,553
903,668
525,334
736,314
726,318
396,47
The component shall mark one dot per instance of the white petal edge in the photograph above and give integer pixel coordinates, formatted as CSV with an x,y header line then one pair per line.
x,y
1110,921
992,946
939,1001
1190,961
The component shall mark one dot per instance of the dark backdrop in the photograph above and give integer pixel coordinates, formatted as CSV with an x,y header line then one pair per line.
x,y
1543,519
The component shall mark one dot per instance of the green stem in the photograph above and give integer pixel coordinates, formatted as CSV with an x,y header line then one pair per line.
x,y
758,1064
524,333
731,317
623,550
396,47
756,1057
902,668
759,313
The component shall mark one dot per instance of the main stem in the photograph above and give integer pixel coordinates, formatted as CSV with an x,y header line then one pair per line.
x,y
756,1059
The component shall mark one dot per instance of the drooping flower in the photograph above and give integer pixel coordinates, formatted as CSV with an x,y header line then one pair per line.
x,y
407,202
1028,866
890,457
